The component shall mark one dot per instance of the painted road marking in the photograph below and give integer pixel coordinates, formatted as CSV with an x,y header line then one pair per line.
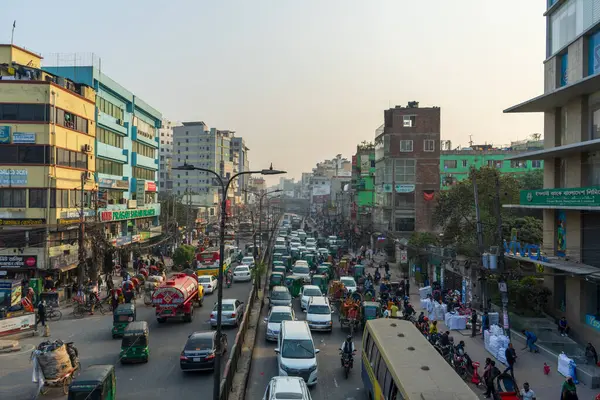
x,y
335,383
24,349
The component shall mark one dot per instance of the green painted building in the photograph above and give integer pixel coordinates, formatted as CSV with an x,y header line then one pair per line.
x,y
456,164
363,180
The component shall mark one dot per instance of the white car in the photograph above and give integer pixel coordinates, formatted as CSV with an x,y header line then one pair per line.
x,y
349,283
208,282
241,273
248,260
311,241
309,291
318,314
302,269
311,248
287,387
276,316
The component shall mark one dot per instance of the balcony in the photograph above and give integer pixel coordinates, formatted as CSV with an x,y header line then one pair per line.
x,y
142,138
112,123
114,153
143,161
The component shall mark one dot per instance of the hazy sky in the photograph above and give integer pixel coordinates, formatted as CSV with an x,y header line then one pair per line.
x,y
305,80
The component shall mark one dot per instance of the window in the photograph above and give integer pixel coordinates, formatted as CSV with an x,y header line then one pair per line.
x,y
72,159
448,164
12,198
563,126
143,149
109,137
71,121
405,171
494,163
405,224
25,112
25,154
109,167
409,121
38,198
144,129
428,145
518,164
536,164
59,198
566,23
406,146
143,173
109,108
464,163
595,125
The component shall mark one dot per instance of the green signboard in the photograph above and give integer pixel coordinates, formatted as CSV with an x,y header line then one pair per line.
x,y
129,214
562,197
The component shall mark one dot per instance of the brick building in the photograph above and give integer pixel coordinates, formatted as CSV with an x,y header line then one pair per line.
x,y
407,169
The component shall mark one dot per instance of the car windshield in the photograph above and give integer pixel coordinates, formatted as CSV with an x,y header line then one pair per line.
x,y
319,309
280,295
348,282
298,349
289,396
301,269
280,316
204,279
241,269
312,292
226,307
199,344
247,260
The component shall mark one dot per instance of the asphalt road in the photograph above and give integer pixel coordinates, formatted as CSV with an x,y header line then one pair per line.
x,y
159,378
332,384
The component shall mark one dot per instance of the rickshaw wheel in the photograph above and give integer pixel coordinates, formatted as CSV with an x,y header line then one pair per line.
x,y
66,382
44,389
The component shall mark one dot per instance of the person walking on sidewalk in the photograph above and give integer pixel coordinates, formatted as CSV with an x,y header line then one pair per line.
x,y
41,313
530,341
569,390
491,372
511,358
527,393
473,323
407,286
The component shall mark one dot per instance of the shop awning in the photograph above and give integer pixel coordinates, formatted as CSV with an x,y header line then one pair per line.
x,y
66,268
569,267
559,151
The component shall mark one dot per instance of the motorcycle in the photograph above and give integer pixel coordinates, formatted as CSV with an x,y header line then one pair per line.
x,y
347,363
228,281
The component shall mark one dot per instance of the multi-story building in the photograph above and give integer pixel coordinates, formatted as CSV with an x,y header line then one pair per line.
x,y
407,169
47,164
239,148
363,183
456,164
571,198
305,185
287,187
201,146
337,166
126,147
165,177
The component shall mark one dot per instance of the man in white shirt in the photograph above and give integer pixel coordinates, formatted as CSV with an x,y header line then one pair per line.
x,y
526,393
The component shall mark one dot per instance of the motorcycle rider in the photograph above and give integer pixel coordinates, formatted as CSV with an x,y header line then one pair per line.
x,y
409,311
348,350
445,339
229,278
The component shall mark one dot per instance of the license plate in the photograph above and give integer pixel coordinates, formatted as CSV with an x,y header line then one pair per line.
x,y
196,359
167,312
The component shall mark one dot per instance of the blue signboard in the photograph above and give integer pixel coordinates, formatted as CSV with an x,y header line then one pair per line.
x,y
594,54
23,138
4,134
13,177
591,320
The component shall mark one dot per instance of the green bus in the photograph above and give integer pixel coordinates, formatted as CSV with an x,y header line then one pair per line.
x,y
398,363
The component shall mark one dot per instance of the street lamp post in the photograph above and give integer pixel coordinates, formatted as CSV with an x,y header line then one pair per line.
x,y
224,189
260,216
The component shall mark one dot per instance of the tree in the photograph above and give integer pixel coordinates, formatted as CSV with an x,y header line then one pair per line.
x,y
421,240
184,254
455,211
532,180
259,270
527,229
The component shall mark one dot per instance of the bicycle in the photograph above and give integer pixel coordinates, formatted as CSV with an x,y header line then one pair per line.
x,y
81,308
53,314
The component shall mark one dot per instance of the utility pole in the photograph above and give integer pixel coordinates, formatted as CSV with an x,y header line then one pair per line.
x,y
502,285
81,241
480,244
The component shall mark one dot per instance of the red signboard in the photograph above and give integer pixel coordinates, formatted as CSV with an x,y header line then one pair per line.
x,y
353,160
228,207
150,186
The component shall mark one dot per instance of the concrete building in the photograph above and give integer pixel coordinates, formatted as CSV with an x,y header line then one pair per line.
x,y
363,184
127,143
201,146
571,198
305,185
456,164
287,186
165,177
407,169
240,150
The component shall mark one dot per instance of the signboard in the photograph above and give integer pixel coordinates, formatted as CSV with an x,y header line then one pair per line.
x,y
562,197
4,134
18,262
13,176
123,240
365,165
9,326
140,192
64,261
403,257
107,216
113,183
150,186
387,188
23,138
591,321
405,188
21,222
76,214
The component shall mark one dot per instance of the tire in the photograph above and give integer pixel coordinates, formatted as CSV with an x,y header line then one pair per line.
x,y
346,372
161,320
55,315
78,311
44,389
101,309
66,382
147,299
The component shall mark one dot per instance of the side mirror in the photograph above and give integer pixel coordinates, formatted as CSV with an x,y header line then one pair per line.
x,y
317,351
277,351
265,319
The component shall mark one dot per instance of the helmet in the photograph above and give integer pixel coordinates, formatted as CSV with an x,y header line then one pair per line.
x,y
426,319
451,339
349,338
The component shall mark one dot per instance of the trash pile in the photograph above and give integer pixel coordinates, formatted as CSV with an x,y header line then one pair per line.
x,y
496,342
54,359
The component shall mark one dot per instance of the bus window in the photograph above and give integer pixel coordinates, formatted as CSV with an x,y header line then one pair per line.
x,y
382,371
368,345
387,385
394,395
374,359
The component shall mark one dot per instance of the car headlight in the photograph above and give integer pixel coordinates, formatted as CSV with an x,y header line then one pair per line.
x,y
270,332
313,368
286,369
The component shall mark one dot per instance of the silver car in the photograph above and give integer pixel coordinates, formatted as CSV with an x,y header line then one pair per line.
x,y
232,313
276,316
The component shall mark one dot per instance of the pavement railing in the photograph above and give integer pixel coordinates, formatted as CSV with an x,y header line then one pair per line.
x,y
236,348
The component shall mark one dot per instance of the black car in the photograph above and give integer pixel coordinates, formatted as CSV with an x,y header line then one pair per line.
x,y
199,351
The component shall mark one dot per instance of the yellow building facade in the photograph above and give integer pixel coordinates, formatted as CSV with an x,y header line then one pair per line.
x,y
47,164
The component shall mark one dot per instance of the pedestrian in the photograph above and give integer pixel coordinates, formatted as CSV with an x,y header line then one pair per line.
x,y
527,393
511,358
563,327
591,355
407,287
530,341
394,311
473,323
569,390
485,323
487,378
41,313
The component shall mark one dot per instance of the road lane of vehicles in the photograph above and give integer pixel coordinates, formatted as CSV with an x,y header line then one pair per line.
x,y
232,313
296,352
276,316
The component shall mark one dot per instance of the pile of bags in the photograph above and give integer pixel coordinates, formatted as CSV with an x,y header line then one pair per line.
x,y
567,367
496,342
439,311
53,359
424,292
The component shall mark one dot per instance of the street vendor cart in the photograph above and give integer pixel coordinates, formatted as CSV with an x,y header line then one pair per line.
x,y
350,316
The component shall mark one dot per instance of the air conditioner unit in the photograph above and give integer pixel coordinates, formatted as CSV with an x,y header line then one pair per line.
x,y
407,123
86,148
88,175
120,122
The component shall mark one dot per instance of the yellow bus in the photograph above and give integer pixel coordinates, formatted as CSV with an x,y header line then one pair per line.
x,y
398,363
208,261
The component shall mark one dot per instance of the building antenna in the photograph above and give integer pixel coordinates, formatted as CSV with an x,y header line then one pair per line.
x,y
470,140
12,35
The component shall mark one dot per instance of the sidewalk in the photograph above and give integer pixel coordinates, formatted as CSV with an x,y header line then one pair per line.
x,y
529,366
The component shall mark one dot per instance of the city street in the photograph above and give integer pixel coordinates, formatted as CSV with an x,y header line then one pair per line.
x,y
332,385
160,377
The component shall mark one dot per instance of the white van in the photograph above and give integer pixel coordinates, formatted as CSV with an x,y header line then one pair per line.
x,y
296,353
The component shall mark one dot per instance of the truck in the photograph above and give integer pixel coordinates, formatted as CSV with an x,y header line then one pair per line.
x,y
176,298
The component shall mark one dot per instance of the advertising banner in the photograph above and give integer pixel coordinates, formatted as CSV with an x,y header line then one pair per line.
x,y
23,138
140,192
9,326
4,134
13,176
18,261
562,197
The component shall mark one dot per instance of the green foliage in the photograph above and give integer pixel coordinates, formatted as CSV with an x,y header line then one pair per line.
x,y
184,254
532,180
526,296
527,229
421,240
259,270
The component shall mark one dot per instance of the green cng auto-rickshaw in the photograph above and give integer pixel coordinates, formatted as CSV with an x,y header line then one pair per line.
x,y
321,281
278,264
276,279
134,347
294,284
277,257
287,261
96,382
370,310
359,271
280,268
123,315
310,259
